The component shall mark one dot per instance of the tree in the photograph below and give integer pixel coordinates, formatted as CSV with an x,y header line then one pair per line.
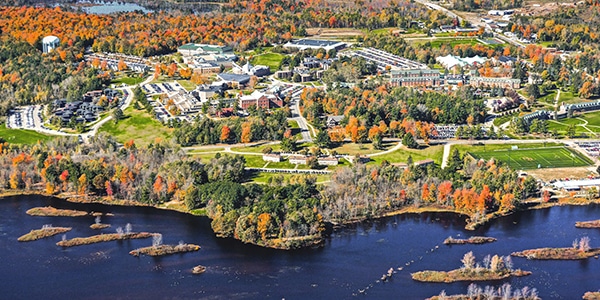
x,y
322,140
468,260
122,66
117,115
586,90
571,131
225,134
409,141
288,145
533,90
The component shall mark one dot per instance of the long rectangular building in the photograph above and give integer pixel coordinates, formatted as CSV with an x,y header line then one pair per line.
x,y
415,78
385,59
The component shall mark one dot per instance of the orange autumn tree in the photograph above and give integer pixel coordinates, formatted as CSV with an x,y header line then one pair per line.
x,y
225,133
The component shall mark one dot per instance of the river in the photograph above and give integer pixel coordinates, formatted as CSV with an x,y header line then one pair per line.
x,y
353,258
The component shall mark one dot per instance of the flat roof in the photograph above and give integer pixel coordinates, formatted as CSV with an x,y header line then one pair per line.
x,y
576,183
234,77
310,43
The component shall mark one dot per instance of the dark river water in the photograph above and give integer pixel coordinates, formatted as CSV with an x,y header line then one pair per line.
x,y
353,258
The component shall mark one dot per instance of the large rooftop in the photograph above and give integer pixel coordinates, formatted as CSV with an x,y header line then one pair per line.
x,y
315,44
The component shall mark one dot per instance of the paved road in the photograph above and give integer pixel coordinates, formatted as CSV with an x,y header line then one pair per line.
x,y
302,123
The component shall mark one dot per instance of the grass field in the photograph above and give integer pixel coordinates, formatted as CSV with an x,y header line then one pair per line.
x,y
186,84
262,177
127,80
354,148
437,43
271,60
20,136
139,126
529,157
401,155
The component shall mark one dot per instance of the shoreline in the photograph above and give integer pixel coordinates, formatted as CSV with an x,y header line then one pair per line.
x,y
405,210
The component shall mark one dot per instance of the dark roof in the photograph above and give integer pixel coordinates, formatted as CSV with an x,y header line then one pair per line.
x,y
239,78
314,43
506,59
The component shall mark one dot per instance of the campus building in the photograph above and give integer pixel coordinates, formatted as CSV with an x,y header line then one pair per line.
x,y
50,43
385,60
260,99
504,82
304,44
415,78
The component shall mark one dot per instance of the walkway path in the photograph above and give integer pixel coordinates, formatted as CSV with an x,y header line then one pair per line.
x,y
398,146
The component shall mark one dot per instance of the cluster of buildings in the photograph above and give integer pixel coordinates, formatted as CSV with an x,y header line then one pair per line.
x,y
112,60
310,69
385,60
412,74
207,59
563,111
86,109
248,69
301,159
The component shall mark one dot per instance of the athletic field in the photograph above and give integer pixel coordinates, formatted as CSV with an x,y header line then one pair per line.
x,y
534,158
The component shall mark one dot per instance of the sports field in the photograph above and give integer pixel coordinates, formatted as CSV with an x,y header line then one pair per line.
x,y
534,158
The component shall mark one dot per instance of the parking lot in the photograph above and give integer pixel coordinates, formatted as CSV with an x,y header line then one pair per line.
x,y
592,148
25,117
162,88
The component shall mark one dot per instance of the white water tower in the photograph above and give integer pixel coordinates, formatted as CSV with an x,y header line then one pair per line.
x,y
50,43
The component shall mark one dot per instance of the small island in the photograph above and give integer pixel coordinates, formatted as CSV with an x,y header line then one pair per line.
x,y
472,240
50,211
494,268
161,250
44,232
199,269
581,250
78,241
591,296
98,224
158,249
588,224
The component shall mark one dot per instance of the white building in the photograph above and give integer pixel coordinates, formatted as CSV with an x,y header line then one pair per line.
x,y
50,43
271,157
451,61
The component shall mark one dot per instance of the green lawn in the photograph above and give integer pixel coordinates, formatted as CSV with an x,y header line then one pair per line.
x,y
401,156
593,118
127,80
293,124
139,126
271,60
437,43
20,136
562,125
568,97
385,30
186,84
548,98
503,119
528,156
354,148
257,149
262,177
